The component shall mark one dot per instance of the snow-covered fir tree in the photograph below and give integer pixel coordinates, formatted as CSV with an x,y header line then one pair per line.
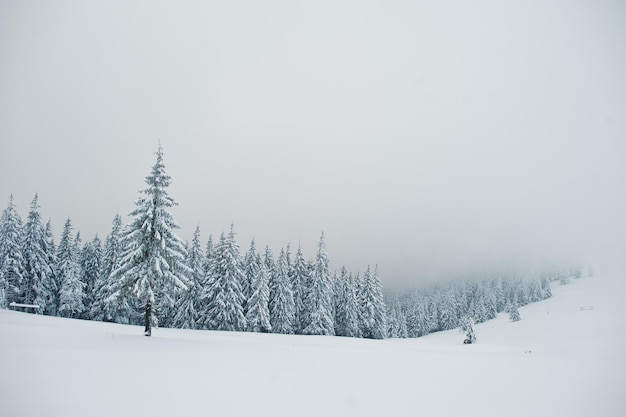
x,y
38,286
466,324
300,283
90,266
281,305
187,307
55,286
249,270
448,309
396,320
513,311
258,313
223,296
67,268
153,260
319,298
373,311
347,321
11,258
105,307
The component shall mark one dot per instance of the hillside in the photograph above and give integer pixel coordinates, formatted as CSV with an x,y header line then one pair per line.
x,y
559,360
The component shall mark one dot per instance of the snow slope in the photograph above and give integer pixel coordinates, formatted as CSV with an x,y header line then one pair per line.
x,y
558,361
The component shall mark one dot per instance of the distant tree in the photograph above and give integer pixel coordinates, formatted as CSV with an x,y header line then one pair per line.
x,y
319,299
37,285
466,324
258,314
448,310
224,297
68,269
11,258
513,312
187,314
153,258
281,305
396,320
373,314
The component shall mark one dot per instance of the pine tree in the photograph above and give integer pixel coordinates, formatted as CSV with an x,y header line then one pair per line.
x,y
187,315
55,284
224,297
281,305
37,285
258,314
249,270
68,270
466,324
373,315
513,312
153,259
396,320
90,266
105,307
300,283
319,299
346,306
11,258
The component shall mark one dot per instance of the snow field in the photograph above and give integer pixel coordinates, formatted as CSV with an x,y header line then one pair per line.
x,y
558,360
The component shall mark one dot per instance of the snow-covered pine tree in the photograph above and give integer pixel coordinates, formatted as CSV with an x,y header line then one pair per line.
x,y
105,307
55,285
373,317
514,315
68,272
281,304
90,266
249,270
153,258
205,280
187,315
258,313
224,297
346,306
396,320
448,309
466,324
38,286
11,258
300,282
319,299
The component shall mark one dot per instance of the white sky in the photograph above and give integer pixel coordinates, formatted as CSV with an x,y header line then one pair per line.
x,y
416,134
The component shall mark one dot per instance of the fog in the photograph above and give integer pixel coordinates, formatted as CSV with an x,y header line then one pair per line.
x,y
423,137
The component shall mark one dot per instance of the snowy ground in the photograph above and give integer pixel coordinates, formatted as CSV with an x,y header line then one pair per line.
x,y
557,361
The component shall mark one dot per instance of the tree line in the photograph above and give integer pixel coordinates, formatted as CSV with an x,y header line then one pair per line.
x,y
144,268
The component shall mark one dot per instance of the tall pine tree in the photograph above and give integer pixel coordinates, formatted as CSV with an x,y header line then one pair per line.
x,y
319,299
187,309
223,297
38,285
68,269
153,259
258,313
281,304
11,258
373,314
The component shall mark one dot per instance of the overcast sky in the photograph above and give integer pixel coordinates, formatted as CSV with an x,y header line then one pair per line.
x,y
416,135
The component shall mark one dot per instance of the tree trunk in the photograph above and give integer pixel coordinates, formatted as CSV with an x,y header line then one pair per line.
x,y
148,331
